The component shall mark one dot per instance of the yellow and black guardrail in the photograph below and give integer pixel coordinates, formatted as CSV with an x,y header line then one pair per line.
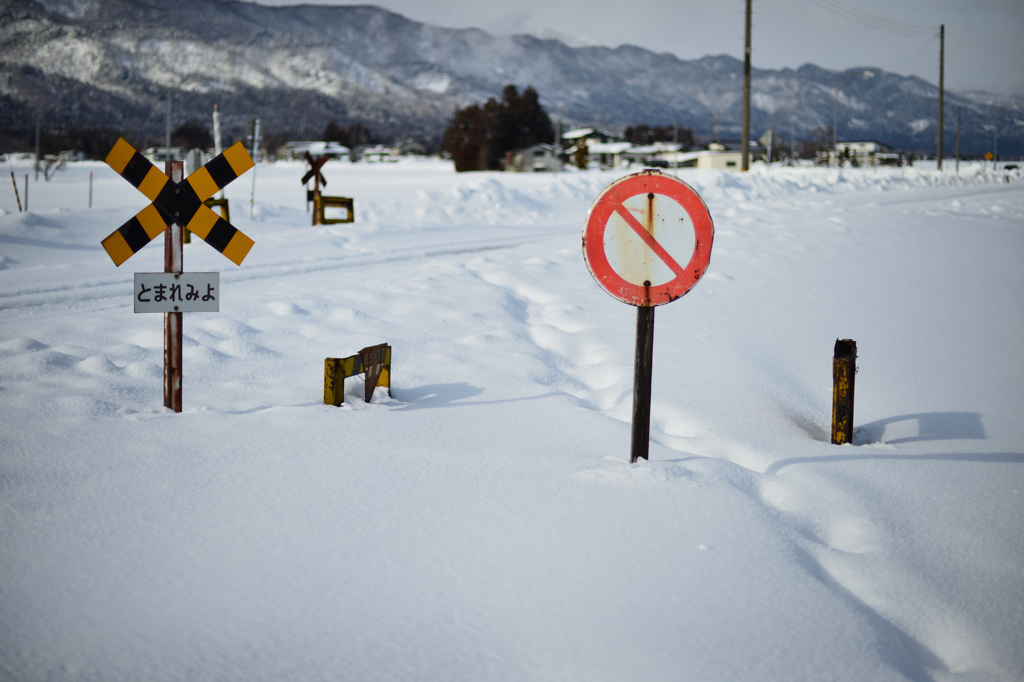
x,y
373,361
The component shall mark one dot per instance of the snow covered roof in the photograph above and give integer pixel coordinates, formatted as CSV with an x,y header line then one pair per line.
x,y
578,133
656,148
317,147
609,147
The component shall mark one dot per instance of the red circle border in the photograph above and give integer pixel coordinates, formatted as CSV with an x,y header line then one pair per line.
x,y
600,211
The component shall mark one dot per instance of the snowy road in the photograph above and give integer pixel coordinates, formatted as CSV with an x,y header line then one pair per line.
x,y
483,523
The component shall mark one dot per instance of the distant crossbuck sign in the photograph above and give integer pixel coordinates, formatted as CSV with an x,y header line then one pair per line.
x,y
647,239
180,202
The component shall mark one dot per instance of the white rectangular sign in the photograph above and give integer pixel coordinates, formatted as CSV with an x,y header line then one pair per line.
x,y
169,292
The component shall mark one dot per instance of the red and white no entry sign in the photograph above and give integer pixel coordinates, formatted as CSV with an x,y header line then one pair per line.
x,y
647,238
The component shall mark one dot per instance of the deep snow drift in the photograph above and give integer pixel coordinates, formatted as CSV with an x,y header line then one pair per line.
x,y
483,522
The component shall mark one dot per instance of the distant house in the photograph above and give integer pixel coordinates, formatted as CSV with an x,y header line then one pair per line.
x,y
73,155
591,135
157,154
411,146
864,147
604,149
654,154
865,152
756,151
377,153
704,159
609,154
537,158
296,150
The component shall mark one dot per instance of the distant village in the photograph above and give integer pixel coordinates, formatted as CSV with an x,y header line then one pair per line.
x,y
604,150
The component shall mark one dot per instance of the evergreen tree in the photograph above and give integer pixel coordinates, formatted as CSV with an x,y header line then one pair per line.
x,y
478,137
645,134
192,135
353,136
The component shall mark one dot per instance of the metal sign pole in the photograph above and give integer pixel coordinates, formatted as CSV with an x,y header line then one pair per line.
x,y
173,257
316,197
255,157
642,370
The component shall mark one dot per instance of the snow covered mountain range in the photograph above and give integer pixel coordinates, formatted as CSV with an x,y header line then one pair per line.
x,y
112,63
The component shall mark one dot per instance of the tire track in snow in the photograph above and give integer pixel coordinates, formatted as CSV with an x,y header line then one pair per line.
x,y
67,295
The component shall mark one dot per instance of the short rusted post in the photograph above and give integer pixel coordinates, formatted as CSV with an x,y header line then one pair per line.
x,y
172,321
844,370
640,444
316,198
373,361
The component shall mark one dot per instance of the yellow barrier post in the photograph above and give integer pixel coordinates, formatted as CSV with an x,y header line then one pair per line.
x,y
844,369
374,362
322,203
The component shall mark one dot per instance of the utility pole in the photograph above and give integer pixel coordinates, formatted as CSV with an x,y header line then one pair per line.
x,y
942,77
995,140
37,146
216,137
255,158
958,118
792,139
675,150
168,146
558,147
745,137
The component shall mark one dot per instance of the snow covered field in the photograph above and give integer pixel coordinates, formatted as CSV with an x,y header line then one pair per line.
x,y
483,523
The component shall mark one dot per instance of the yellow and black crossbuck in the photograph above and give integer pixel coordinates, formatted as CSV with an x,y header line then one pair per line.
x,y
180,202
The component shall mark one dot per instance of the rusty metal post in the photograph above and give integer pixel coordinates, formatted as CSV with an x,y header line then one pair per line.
x,y
844,371
745,133
173,257
316,198
15,183
640,444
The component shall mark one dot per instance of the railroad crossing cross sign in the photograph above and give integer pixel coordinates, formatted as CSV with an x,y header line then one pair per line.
x,y
180,202
313,195
647,239
315,166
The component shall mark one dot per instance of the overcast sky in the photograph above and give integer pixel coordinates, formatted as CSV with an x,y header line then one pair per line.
x,y
984,42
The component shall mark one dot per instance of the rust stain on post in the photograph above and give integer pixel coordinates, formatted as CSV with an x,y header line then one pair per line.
x,y
374,362
173,262
844,370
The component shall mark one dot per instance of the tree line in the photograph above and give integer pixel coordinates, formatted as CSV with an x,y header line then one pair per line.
x,y
478,137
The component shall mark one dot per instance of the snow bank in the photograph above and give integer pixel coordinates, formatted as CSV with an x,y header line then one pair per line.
x,y
483,522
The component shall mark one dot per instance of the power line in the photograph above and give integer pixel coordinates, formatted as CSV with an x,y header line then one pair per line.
x,y
915,55
873,20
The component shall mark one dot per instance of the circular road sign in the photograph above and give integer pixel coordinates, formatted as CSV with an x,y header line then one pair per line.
x,y
647,238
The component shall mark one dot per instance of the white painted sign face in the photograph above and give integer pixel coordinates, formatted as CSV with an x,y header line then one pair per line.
x,y
647,238
169,292
632,257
